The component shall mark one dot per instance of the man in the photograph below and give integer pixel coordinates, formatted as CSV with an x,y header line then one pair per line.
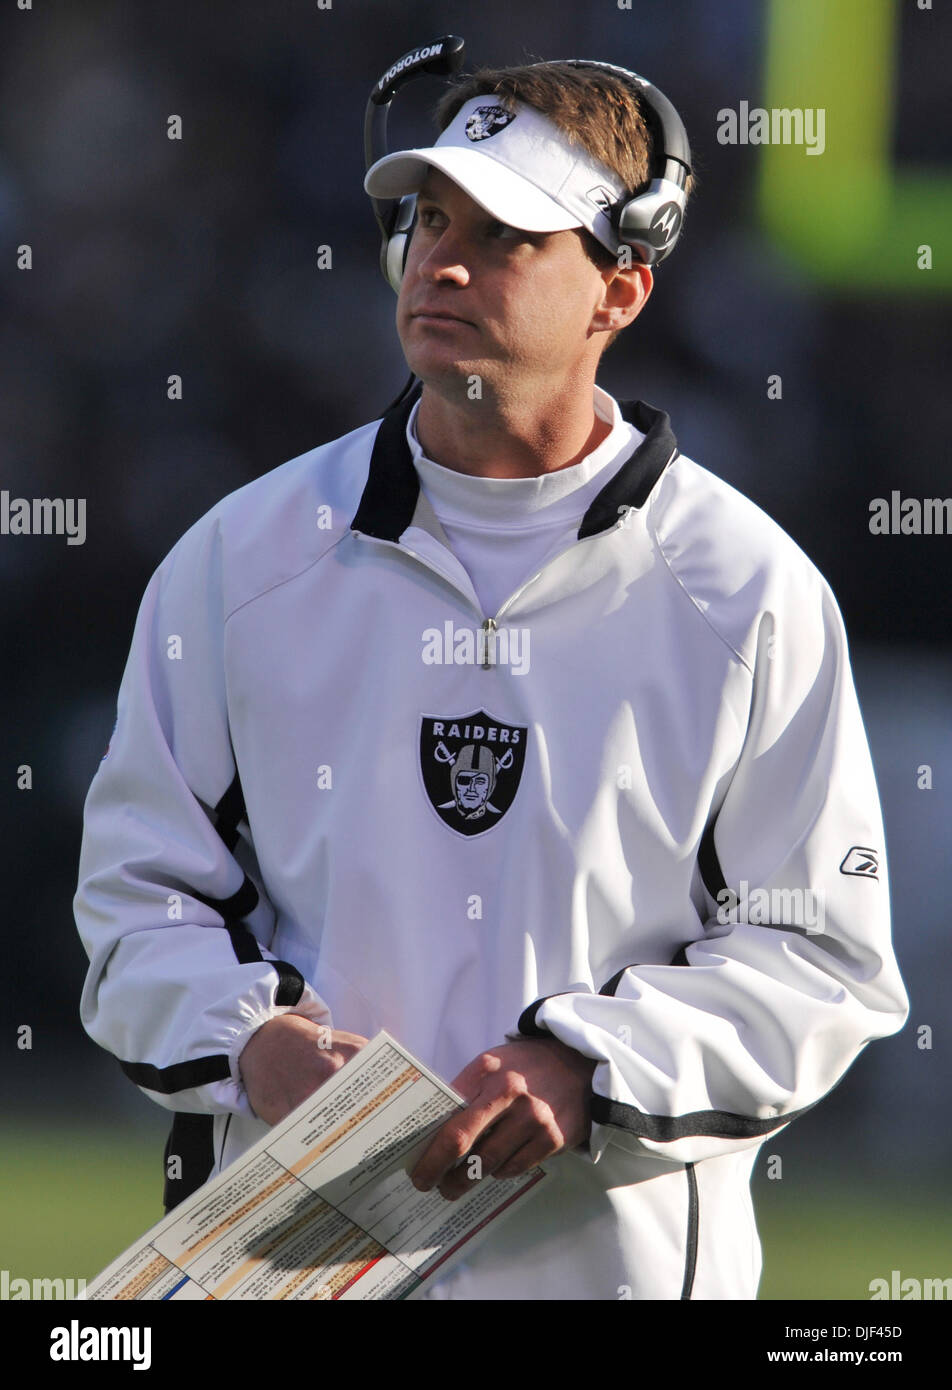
x,y
590,962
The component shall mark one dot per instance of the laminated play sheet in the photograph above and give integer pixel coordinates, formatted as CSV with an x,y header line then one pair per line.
x,y
323,1207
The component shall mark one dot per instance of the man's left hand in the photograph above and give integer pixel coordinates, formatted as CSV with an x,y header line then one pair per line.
x,y
527,1101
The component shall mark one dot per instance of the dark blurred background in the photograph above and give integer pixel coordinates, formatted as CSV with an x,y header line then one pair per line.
x,y
198,257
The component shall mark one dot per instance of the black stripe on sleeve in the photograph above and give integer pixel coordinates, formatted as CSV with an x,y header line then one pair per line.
x,y
290,983
527,1023
244,943
230,812
224,1140
665,1129
610,987
181,1076
690,1244
248,952
190,1140
240,904
712,874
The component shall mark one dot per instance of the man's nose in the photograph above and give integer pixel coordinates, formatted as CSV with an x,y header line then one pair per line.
x,y
446,261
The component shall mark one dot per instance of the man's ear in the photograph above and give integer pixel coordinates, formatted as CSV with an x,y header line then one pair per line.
x,y
628,284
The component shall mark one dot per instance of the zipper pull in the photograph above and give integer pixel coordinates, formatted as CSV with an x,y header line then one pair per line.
x,y
489,643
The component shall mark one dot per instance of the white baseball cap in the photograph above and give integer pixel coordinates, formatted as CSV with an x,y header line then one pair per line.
x,y
515,163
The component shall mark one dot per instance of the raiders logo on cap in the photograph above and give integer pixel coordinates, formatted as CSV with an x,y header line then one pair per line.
x,y
486,121
471,765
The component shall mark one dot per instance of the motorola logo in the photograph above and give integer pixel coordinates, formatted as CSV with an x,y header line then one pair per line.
x,y
664,225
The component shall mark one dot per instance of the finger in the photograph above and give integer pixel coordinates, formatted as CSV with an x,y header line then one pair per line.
x,y
501,1141
526,1158
500,1144
474,1167
461,1179
454,1139
471,1080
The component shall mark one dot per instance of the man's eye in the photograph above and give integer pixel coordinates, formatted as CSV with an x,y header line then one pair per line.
x,y
503,231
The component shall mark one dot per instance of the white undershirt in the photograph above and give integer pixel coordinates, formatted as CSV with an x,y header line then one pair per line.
x,y
501,529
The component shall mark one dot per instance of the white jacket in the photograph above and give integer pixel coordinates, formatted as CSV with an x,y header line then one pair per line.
x,y
667,848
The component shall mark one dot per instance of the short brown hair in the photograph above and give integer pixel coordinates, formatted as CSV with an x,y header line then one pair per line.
x,y
593,107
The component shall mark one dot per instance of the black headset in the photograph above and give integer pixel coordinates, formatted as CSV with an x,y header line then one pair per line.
x,y
649,222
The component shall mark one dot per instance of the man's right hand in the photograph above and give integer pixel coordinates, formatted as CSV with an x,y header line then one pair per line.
x,y
287,1059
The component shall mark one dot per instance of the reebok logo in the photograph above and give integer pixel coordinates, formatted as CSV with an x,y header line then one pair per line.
x,y
602,197
864,863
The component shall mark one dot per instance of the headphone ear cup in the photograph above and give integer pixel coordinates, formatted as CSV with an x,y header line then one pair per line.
x,y
651,223
396,248
394,259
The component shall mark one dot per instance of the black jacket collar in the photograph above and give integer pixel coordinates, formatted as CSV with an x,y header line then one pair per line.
x,y
392,489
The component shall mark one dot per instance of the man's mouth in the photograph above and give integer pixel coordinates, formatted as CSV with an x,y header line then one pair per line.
x,y
439,314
